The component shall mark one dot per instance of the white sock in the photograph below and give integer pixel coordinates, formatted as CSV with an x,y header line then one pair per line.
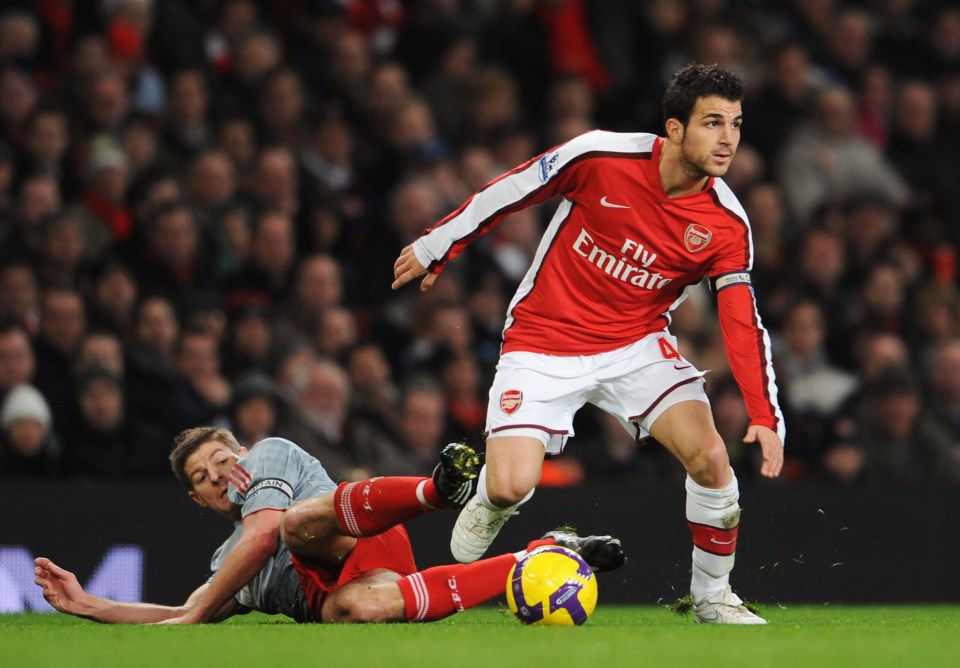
x,y
717,509
485,499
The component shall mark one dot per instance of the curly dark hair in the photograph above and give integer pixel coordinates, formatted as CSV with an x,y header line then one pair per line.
x,y
695,81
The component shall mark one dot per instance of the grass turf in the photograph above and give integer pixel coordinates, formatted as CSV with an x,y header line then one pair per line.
x,y
847,636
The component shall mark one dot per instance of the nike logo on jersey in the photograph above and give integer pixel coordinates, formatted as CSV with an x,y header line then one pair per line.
x,y
722,542
611,205
681,368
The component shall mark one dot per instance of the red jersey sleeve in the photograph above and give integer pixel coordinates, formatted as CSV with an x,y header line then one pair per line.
x,y
748,349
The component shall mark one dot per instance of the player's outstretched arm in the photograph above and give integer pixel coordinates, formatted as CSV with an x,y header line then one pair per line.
x,y
770,445
408,267
259,541
62,590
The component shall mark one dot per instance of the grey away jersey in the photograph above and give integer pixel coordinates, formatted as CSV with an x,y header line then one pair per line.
x,y
273,475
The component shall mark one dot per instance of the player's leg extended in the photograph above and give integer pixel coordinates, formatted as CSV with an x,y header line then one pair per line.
x,y
368,507
441,591
687,430
508,478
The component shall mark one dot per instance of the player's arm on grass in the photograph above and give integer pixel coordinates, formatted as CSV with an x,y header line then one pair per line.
x,y
63,591
261,533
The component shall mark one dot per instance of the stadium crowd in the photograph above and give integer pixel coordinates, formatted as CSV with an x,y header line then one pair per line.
x,y
201,202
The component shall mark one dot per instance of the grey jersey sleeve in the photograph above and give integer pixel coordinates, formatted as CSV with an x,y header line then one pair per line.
x,y
275,474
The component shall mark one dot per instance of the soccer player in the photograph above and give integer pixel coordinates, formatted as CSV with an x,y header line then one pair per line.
x,y
642,219
314,551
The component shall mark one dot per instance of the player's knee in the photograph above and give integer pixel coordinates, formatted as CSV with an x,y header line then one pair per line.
x,y
509,492
709,466
305,521
360,605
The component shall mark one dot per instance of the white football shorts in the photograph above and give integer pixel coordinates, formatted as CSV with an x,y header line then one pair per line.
x,y
537,395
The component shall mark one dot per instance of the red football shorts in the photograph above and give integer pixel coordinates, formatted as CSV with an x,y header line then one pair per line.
x,y
390,550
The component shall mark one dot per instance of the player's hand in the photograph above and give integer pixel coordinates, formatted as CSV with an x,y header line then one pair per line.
x,y
770,445
408,267
61,589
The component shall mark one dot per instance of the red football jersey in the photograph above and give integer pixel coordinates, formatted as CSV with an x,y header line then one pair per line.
x,y
618,256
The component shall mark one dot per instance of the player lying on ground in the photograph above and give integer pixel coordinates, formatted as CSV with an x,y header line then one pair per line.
x,y
313,550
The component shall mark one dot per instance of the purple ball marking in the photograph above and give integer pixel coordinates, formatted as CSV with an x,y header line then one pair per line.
x,y
528,614
571,603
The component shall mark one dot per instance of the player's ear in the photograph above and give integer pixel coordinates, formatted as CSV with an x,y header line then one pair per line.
x,y
196,499
674,130
243,451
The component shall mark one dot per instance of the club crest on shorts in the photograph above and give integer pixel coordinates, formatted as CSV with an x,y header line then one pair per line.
x,y
696,237
510,401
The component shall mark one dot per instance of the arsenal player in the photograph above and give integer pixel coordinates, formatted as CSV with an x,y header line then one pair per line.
x,y
642,219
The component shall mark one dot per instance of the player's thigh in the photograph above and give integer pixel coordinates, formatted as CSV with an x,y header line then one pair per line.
x,y
641,381
536,396
687,430
372,597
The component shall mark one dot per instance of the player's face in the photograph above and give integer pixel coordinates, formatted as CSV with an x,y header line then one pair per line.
x,y
208,469
711,137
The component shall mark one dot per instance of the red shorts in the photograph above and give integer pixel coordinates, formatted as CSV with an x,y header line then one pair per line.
x,y
390,550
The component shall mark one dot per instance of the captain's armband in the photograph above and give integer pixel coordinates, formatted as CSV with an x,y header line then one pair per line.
x,y
718,283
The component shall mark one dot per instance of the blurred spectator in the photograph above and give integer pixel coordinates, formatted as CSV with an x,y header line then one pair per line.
x,y
421,427
255,409
915,146
375,394
896,440
173,262
464,395
283,104
17,360
107,220
249,341
813,389
29,444
826,161
63,322
944,385
47,148
102,444
268,273
20,294
114,297
782,101
106,103
100,349
160,401
188,130
335,333
875,105
318,420
63,257
197,358
318,286
38,198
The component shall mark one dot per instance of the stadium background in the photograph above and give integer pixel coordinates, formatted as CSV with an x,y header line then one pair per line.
x,y
200,204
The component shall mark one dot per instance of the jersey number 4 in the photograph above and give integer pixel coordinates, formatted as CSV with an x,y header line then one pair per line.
x,y
668,351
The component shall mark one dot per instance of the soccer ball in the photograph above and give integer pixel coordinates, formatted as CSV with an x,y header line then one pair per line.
x,y
552,586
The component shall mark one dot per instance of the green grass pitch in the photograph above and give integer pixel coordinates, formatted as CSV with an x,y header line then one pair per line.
x,y
827,636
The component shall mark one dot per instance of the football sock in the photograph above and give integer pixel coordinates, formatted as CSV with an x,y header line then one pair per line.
x,y
444,590
713,516
369,507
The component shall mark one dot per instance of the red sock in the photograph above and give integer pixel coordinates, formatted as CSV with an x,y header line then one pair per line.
x,y
369,507
444,590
